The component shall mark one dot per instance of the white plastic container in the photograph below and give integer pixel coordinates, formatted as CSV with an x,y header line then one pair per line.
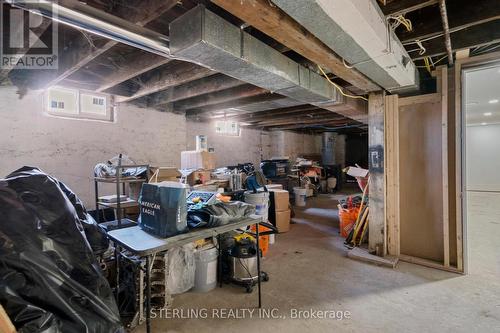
x,y
205,276
300,196
272,239
261,202
331,183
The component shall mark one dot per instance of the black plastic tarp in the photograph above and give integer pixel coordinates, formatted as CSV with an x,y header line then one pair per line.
x,y
50,280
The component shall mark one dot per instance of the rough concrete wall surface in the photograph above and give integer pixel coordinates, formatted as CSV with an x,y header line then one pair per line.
x,y
285,143
69,148
340,149
229,150
252,145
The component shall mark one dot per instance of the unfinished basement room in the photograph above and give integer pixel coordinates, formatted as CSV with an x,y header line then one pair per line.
x,y
179,166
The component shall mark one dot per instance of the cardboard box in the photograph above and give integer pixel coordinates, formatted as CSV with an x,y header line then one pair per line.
x,y
199,177
279,199
161,174
193,159
283,221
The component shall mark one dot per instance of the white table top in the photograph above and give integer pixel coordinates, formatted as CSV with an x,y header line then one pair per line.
x,y
142,243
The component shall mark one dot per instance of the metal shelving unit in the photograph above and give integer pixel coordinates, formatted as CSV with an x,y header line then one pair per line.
x,y
119,205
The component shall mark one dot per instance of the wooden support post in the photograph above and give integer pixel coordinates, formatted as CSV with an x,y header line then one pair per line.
x,y
392,173
444,134
376,138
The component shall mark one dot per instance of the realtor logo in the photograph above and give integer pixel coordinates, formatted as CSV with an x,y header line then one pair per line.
x,y
29,41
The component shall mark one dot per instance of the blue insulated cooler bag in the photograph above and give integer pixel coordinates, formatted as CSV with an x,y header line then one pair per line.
x,y
163,209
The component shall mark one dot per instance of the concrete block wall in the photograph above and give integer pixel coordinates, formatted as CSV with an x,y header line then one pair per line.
x,y
69,148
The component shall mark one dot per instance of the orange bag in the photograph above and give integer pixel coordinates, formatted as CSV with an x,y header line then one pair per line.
x,y
347,219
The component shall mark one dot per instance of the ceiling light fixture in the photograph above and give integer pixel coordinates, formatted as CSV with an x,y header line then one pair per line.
x,y
487,114
493,101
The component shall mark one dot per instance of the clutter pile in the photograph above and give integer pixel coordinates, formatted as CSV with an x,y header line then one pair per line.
x,y
353,211
78,253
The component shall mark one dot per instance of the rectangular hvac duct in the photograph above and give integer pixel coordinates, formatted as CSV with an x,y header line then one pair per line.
x,y
358,32
202,37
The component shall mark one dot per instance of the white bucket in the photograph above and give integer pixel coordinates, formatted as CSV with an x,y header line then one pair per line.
x,y
261,202
205,277
331,183
300,196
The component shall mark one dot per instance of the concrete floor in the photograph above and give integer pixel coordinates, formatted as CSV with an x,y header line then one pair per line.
x,y
309,269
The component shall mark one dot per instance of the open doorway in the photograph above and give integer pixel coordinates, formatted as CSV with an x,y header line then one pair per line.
x,y
481,93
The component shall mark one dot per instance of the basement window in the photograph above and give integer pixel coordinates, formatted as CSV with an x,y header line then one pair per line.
x,y
75,103
227,128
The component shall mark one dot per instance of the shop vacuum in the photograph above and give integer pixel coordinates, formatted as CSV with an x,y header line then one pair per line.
x,y
239,259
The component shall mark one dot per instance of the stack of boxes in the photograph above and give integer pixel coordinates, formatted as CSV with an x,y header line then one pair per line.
x,y
279,209
201,163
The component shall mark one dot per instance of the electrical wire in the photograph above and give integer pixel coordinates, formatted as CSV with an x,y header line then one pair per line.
x,y
431,62
422,48
400,20
340,88
346,65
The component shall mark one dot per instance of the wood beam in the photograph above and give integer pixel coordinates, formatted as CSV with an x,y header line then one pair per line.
x,y
461,15
82,52
192,89
234,104
402,7
376,151
277,112
464,39
226,95
173,74
277,24
303,120
335,123
272,116
133,65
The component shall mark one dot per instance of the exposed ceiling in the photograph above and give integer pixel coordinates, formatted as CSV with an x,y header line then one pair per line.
x,y
95,63
482,96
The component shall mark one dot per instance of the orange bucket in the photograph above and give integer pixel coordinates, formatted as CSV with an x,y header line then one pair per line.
x,y
263,240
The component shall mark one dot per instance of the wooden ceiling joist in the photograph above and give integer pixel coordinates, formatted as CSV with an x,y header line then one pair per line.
x,y
172,74
302,120
402,7
134,65
277,24
192,89
335,123
272,116
474,36
222,96
234,104
461,15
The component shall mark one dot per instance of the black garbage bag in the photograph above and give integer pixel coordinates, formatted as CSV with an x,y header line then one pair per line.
x,y
220,213
50,280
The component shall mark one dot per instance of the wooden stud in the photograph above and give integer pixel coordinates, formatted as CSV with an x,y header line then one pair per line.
x,y
392,173
377,228
444,144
